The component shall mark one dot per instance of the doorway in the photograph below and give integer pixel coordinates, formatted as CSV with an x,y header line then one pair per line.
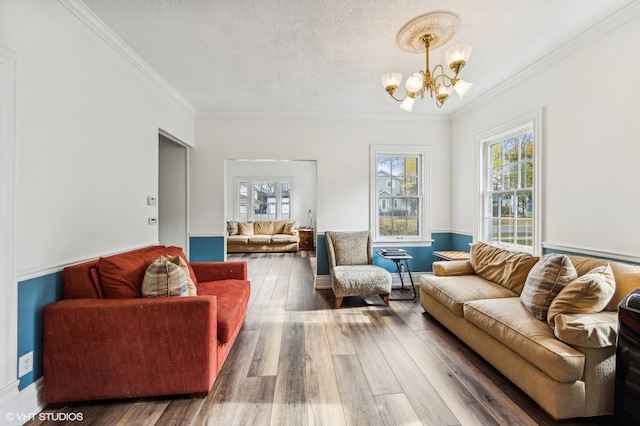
x,y
173,190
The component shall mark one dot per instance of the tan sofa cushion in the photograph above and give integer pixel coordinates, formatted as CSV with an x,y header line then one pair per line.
x,y
588,293
284,238
245,228
259,239
597,330
452,268
509,322
237,239
505,267
261,227
545,280
454,291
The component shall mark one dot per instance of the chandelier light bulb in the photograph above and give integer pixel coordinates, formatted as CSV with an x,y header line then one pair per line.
x,y
462,87
391,79
457,55
414,83
407,104
444,90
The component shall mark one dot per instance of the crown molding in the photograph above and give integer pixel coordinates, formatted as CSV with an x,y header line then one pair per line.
x,y
98,26
430,118
609,24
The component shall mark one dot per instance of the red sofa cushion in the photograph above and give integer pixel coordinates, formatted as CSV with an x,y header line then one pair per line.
x,y
121,275
232,300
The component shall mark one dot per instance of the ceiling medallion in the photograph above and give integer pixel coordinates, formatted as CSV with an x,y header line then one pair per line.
x,y
426,32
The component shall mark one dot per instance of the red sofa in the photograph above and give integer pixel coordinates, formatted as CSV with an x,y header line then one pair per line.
x,y
104,341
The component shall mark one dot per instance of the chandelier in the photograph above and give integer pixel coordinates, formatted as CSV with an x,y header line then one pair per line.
x,y
426,32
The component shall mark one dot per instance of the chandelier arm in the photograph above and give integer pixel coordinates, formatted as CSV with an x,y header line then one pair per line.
x,y
391,93
445,80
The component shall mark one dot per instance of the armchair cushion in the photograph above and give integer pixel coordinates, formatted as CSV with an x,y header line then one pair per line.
x,y
350,248
353,280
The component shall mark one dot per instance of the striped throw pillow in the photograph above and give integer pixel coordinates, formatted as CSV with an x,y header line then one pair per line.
x,y
545,280
163,278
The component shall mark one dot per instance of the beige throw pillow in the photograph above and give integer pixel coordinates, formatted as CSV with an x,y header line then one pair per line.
x,y
245,228
545,280
289,228
586,294
504,267
178,260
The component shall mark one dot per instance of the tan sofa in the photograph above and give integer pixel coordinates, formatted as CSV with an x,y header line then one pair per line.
x,y
262,236
566,363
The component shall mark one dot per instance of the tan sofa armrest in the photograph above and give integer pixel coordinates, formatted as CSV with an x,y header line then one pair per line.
x,y
452,268
594,330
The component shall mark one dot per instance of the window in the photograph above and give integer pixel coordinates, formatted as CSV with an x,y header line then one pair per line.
x,y
398,199
263,199
509,191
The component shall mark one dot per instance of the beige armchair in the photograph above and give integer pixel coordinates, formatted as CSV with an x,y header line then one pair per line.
x,y
350,266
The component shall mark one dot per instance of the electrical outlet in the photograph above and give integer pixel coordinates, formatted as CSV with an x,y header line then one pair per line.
x,y
25,364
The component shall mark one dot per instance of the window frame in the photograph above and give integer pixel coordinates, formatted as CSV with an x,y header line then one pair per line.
x,y
424,230
250,187
532,122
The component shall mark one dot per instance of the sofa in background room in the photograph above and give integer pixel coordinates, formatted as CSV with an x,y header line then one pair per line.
x,y
262,236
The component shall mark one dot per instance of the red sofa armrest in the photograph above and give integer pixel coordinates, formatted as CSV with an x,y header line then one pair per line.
x,y
126,348
216,271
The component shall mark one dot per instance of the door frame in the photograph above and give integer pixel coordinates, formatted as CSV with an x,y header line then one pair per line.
x,y
170,137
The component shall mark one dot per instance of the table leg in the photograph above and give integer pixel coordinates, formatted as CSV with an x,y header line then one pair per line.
x,y
398,263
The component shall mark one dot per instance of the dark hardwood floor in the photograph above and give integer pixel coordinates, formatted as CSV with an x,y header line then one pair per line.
x,y
297,361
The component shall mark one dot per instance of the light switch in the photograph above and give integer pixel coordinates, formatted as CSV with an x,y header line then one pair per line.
x,y
152,200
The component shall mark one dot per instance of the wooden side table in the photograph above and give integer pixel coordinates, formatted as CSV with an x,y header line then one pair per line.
x,y
307,239
451,255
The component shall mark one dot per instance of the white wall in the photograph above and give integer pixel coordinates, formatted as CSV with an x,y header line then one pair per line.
x,y
87,136
341,149
590,145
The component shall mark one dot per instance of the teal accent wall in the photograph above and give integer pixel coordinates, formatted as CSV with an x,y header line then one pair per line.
x,y
460,242
33,295
423,257
206,249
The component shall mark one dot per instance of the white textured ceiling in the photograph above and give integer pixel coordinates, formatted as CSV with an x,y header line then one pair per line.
x,y
326,57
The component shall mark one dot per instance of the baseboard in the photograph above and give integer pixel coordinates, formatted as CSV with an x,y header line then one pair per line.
x,y
322,282
23,406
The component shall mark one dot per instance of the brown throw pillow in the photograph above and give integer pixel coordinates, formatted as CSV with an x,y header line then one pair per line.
x,y
178,260
587,294
504,267
545,280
